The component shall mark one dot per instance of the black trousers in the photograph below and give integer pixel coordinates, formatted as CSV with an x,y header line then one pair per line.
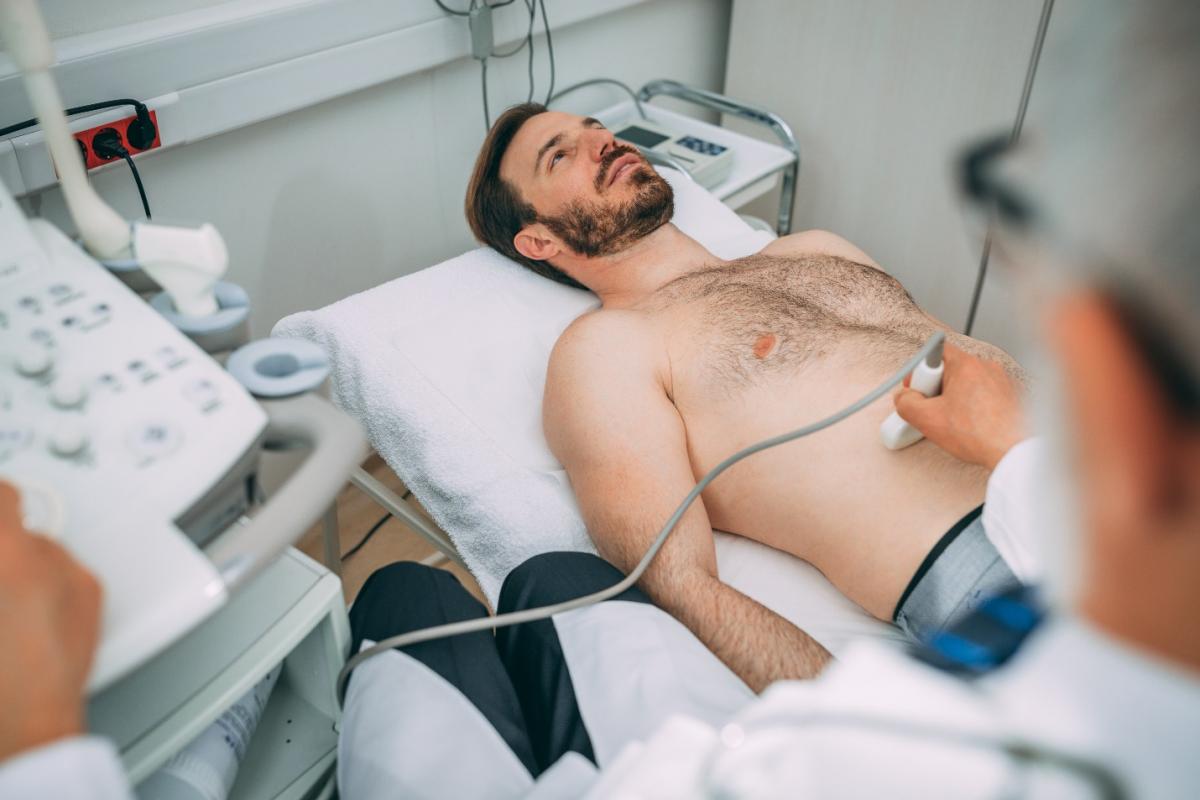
x,y
517,678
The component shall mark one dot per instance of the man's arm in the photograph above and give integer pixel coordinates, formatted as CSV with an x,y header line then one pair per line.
x,y
611,423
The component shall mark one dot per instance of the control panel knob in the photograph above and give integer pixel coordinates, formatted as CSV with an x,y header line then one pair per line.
x,y
68,393
43,509
33,361
68,440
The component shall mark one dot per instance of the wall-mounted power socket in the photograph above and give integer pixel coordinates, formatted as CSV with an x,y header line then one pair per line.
x,y
130,132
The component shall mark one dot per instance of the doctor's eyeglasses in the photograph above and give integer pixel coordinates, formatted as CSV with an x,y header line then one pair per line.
x,y
982,190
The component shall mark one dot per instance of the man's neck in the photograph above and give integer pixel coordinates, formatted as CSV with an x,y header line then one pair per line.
x,y
627,277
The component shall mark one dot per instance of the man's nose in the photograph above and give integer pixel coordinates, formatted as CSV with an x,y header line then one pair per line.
x,y
600,141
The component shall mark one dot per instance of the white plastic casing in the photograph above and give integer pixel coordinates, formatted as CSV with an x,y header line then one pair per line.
x,y
186,262
116,425
895,432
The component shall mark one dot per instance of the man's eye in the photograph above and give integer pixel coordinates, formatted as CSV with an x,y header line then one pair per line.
x,y
554,158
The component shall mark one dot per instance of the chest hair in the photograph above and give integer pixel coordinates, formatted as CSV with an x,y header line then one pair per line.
x,y
768,314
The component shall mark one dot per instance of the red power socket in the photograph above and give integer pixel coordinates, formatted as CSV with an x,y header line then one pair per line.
x,y
121,126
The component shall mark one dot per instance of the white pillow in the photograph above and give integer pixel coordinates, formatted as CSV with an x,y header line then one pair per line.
x,y
446,368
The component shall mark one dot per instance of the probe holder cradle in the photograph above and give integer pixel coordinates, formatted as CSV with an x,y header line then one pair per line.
x,y
221,332
279,367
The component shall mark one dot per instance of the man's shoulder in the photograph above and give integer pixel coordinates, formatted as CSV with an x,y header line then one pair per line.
x,y
816,242
603,332
603,354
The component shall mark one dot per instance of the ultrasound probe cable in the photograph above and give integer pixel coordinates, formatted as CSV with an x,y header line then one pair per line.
x,y
932,346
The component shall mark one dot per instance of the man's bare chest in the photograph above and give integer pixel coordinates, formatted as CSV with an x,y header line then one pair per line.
x,y
766,316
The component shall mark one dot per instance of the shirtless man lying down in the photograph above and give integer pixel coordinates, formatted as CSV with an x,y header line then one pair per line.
x,y
691,358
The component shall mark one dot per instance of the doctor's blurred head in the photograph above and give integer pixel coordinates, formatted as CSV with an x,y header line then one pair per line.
x,y
1099,215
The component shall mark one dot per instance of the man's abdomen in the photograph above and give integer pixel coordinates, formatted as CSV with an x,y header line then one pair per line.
x,y
864,515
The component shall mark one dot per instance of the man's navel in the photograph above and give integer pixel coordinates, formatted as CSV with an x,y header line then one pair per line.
x,y
764,345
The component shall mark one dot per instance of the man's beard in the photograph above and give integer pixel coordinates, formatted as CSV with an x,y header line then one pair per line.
x,y
593,230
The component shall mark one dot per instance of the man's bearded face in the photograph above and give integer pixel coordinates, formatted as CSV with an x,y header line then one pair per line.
x,y
596,195
593,227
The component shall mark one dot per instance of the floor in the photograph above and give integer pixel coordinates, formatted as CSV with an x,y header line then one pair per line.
x,y
393,541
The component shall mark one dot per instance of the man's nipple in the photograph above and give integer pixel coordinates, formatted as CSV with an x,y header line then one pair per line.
x,y
764,346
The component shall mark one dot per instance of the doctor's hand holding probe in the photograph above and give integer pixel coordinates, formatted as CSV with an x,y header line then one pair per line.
x,y
977,417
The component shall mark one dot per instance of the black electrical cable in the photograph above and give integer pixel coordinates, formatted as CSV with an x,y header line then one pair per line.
x,y
526,43
549,49
139,107
457,13
373,530
528,40
449,10
487,116
367,538
533,17
107,145
137,178
596,81
1035,56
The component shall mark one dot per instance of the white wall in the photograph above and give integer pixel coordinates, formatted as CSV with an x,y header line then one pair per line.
x,y
881,97
308,214
73,17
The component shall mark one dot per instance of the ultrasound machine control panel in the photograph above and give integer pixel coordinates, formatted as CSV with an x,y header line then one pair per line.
x,y
128,444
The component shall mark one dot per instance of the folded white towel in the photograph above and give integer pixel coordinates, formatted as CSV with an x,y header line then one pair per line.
x,y
423,374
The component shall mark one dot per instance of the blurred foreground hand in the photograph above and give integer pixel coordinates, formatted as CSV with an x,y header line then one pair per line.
x,y
49,629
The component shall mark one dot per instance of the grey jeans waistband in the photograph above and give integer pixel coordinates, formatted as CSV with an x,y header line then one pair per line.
x,y
961,571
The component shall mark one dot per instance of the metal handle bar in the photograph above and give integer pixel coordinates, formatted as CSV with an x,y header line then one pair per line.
x,y
338,446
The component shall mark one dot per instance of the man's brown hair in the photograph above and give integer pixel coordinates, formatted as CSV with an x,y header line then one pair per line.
x,y
495,209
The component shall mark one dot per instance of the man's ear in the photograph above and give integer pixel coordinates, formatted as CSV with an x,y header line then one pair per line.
x,y
1127,437
535,242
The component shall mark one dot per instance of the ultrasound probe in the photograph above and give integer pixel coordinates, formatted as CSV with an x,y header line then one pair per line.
x,y
926,379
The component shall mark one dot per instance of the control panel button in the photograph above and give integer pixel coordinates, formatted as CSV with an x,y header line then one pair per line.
x,y
43,509
13,437
68,393
202,392
68,440
33,361
154,439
